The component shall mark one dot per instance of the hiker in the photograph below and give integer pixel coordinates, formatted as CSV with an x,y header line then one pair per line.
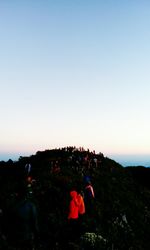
x,y
89,192
28,169
3,239
89,198
24,226
73,216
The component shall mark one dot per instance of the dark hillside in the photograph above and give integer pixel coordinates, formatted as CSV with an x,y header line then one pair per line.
x,y
118,219
140,174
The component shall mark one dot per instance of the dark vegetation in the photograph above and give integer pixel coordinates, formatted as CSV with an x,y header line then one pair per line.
x,y
120,217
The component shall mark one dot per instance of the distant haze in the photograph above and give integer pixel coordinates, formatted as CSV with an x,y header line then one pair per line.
x,y
132,160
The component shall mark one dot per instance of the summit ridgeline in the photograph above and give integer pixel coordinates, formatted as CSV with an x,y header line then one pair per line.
x,y
116,218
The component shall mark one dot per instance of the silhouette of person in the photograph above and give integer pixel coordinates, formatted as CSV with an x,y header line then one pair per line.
x,y
28,169
24,219
89,198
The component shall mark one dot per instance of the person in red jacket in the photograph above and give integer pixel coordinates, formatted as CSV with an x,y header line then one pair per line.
x,y
73,215
73,207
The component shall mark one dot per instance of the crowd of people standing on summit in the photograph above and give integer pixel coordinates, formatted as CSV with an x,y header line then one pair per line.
x,y
78,159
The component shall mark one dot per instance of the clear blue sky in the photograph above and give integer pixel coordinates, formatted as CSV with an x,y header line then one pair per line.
x,y
75,73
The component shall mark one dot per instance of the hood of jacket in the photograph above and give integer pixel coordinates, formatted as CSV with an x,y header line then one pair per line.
x,y
73,194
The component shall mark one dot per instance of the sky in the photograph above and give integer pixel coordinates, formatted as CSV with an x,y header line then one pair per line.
x,y
75,73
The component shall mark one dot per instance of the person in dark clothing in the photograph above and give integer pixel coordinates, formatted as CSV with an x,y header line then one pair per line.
x,y
24,222
3,241
89,192
89,198
28,169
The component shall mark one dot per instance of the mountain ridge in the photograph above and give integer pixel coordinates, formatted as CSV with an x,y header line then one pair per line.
x,y
122,195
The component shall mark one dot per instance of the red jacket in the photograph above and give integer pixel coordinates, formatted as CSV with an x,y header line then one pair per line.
x,y
73,207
